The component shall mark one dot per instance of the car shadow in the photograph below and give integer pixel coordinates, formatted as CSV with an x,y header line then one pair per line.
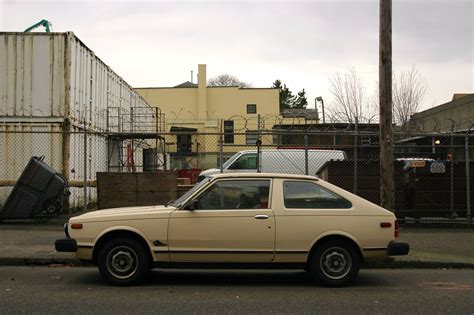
x,y
230,277
237,278
250,277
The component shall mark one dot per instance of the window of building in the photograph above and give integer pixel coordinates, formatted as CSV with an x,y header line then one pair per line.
x,y
251,108
251,137
183,144
235,194
277,138
228,131
308,195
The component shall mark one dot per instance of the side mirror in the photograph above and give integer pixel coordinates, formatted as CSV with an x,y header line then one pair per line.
x,y
192,205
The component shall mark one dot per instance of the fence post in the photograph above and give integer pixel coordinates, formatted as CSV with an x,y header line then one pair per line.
x,y
468,180
85,168
451,201
165,159
221,149
306,171
258,144
355,154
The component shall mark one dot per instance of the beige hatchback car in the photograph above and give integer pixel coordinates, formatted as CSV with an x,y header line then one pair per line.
x,y
251,220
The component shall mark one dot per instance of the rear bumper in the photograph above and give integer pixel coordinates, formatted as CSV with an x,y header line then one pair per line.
x,y
397,249
66,245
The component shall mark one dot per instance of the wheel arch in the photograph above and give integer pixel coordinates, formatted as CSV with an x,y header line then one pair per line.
x,y
335,236
121,231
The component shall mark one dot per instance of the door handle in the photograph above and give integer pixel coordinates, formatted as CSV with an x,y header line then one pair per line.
x,y
261,217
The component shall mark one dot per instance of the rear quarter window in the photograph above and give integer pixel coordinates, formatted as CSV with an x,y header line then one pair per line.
x,y
309,195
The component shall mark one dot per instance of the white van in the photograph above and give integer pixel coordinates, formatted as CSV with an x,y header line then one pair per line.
x,y
289,161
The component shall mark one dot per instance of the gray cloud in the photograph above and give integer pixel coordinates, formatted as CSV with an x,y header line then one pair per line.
x,y
303,43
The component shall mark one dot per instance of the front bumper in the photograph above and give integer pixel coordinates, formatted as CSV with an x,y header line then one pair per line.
x,y
397,249
66,245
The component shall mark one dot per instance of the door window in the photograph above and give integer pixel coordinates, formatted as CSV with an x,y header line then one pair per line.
x,y
308,195
235,194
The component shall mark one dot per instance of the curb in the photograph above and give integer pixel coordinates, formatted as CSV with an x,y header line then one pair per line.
x,y
416,264
74,262
41,261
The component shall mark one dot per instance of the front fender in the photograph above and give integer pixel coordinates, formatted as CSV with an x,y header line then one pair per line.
x,y
121,228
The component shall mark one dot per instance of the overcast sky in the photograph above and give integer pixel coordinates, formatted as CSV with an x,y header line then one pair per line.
x,y
302,43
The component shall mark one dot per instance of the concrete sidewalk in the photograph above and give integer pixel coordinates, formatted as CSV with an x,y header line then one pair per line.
x,y
32,243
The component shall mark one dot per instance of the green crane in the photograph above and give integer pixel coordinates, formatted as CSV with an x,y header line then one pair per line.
x,y
46,24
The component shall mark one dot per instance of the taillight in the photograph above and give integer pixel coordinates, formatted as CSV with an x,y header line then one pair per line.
x,y
397,229
76,226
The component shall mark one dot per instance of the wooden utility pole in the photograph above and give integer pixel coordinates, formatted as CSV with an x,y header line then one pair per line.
x,y
387,191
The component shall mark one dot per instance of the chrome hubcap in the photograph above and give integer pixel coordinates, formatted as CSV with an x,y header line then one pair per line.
x,y
122,262
335,263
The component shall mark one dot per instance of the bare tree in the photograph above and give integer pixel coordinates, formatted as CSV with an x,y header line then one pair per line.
x,y
350,101
409,88
227,80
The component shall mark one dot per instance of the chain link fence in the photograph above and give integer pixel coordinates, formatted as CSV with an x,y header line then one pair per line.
x,y
433,171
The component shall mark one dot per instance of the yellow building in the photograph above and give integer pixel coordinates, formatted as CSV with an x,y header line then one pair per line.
x,y
193,110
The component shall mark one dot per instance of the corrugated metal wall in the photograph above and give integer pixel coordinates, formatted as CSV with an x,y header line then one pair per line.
x,y
32,75
36,70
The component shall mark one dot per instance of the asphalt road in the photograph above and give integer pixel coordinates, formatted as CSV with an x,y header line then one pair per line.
x,y
81,290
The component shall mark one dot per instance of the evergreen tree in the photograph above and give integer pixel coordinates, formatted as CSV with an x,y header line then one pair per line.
x,y
301,101
287,99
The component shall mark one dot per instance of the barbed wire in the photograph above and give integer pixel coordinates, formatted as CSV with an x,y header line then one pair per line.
x,y
271,122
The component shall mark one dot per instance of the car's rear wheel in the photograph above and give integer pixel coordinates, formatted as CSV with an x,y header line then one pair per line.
x,y
123,261
335,263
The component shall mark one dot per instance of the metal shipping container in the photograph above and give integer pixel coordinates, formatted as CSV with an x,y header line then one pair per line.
x,y
46,75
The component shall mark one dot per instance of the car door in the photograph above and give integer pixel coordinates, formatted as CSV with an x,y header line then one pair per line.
x,y
231,221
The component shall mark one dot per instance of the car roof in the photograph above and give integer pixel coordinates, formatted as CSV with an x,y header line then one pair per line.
x,y
290,150
263,175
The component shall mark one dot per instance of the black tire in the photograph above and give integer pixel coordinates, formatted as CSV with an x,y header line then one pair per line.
x,y
335,263
123,261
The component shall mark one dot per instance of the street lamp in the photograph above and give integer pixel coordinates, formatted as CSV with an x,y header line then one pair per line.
x,y
320,99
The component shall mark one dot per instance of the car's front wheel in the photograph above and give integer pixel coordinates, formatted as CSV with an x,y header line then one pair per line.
x,y
335,263
123,261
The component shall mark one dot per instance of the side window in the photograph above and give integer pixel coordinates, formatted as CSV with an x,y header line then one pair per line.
x,y
235,194
308,195
245,162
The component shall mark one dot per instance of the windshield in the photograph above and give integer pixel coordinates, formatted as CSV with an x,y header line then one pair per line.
x,y
180,200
